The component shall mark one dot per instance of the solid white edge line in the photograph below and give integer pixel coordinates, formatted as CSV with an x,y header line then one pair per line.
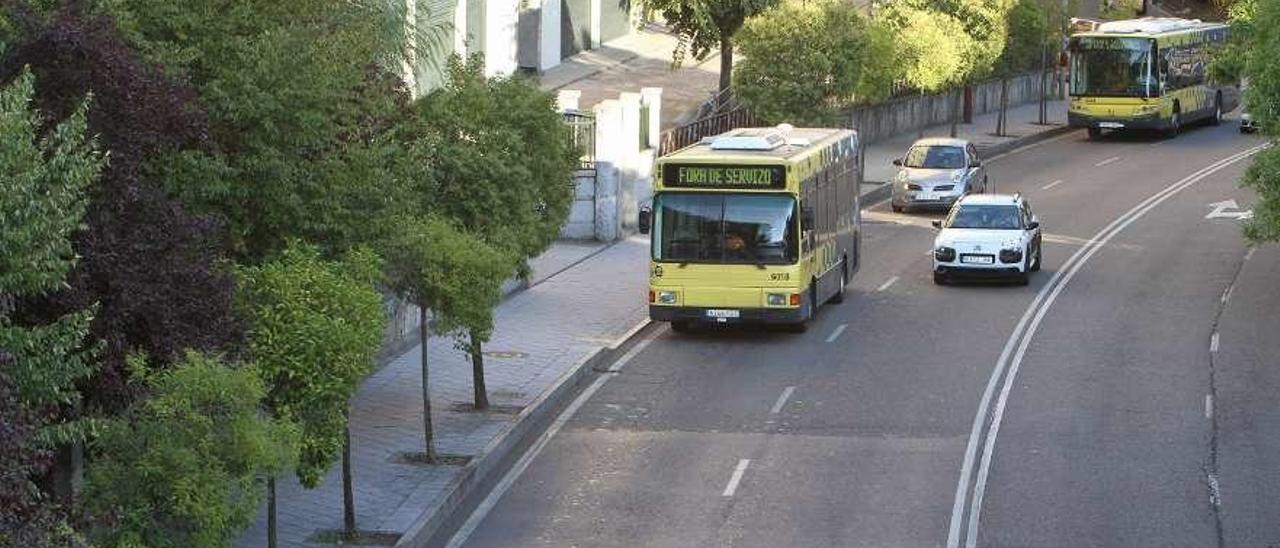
x,y
1213,343
975,509
736,478
836,334
782,400
889,282
1110,160
482,510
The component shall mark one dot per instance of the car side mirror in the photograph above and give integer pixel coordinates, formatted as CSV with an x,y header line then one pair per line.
x,y
897,162
1033,225
645,220
936,223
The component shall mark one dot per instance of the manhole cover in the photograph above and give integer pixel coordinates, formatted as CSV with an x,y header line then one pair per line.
x,y
505,354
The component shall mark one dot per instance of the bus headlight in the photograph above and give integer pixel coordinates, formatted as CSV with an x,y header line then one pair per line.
x,y
667,297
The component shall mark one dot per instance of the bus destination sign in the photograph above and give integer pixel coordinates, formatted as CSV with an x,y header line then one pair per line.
x,y
724,176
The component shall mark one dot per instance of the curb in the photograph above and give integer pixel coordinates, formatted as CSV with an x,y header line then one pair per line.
x,y
508,446
876,195
1015,144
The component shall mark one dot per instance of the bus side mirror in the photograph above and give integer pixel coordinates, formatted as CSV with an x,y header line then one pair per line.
x,y
897,162
645,220
806,218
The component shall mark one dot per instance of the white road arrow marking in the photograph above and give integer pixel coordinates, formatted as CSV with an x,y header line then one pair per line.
x,y
1220,211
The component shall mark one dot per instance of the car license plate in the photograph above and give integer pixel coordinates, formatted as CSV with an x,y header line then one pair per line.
x,y
723,313
926,196
1110,125
977,259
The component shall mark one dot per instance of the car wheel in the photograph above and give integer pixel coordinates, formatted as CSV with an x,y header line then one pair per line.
x,y
1035,267
1095,132
898,209
939,279
681,326
1024,277
844,282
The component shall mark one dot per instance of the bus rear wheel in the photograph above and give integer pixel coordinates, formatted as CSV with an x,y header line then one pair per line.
x,y
844,282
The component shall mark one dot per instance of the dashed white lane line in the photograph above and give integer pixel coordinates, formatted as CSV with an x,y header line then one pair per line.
x,y
1051,185
889,282
736,478
1249,255
1226,294
1213,343
1110,160
836,334
782,400
1208,406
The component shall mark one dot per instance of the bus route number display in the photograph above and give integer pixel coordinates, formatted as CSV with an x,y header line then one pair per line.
x,y
723,176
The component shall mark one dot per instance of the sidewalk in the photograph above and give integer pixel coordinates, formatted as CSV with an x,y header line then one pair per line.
x,y
1022,125
530,351
642,58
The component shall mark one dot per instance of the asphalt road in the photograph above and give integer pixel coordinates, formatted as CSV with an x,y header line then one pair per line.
x,y
1123,424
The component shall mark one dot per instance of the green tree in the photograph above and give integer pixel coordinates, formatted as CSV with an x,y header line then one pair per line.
x,y
705,25
182,467
297,92
1028,30
42,200
316,327
809,82
500,161
984,22
932,47
452,276
1262,100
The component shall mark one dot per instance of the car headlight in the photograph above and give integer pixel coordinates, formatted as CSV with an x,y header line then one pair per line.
x,y
902,176
667,297
957,176
1010,255
944,254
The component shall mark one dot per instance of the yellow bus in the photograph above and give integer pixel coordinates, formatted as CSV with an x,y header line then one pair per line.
x,y
758,225
1147,73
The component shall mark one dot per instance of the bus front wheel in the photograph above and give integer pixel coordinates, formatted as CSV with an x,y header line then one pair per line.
x,y
1095,132
1175,124
1217,110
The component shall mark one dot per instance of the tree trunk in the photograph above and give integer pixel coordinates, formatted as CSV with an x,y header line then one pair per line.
x,y
726,63
424,335
968,104
955,111
348,489
272,529
1002,121
477,373
1044,106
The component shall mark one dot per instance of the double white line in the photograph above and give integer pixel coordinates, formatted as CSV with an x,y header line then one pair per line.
x,y
985,434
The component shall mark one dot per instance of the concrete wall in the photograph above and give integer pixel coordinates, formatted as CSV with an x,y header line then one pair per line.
x,y
906,114
500,37
607,199
575,26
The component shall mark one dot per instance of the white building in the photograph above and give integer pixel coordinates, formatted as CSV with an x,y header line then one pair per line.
x,y
529,35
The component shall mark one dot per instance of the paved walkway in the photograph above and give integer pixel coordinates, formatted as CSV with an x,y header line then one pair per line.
x,y
641,59
532,347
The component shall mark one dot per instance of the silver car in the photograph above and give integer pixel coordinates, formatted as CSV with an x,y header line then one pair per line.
x,y
936,172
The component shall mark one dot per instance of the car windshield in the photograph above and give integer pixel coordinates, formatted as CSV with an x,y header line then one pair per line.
x,y
935,157
1000,217
725,228
1112,67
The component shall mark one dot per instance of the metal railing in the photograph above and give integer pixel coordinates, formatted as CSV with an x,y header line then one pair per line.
x,y
688,134
582,132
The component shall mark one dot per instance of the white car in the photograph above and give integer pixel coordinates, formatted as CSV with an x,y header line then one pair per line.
x,y
987,236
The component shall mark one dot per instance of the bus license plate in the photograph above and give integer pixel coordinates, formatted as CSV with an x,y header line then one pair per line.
x,y
724,313
1110,125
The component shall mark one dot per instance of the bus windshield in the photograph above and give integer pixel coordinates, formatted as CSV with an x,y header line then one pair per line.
x,y
725,228
1112,67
